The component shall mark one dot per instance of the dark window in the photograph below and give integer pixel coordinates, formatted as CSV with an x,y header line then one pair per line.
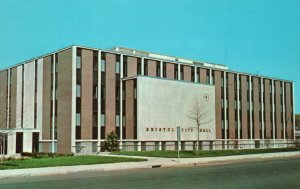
x,y
139,66
157,69
164,70
146,67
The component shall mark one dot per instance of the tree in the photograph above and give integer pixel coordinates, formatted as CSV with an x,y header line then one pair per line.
x,y
199,116
111,144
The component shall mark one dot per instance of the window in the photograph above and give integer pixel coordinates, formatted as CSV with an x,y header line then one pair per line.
x,y
157,69
78,90
181,72
95,119
117,67
102,120
164,70
95,92
207,76
145,67
124,121
78,62
117,120
78,119
103,65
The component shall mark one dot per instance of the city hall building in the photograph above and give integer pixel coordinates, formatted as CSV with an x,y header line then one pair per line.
x,y
69,100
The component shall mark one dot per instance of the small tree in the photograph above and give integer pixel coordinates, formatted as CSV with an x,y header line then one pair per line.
x,y
199,116
111,144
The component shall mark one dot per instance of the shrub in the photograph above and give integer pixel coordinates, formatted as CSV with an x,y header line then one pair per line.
x,y
111,144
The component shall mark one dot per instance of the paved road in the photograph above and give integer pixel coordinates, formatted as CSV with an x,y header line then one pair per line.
x,y
279,173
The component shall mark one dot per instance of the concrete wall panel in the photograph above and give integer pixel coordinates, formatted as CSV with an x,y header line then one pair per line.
x,y
170,70
231,109
29,94
13,99
256,107
19,102
130,109
64,101
278,110
152,68
187,73
132,66
39,96
244,107
218,91
110,102
3,98
87,94
46,98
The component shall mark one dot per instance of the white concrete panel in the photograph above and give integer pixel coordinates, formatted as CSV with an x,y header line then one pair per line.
x,y
39,96
27,141
29,83
11,141
19,97
162,105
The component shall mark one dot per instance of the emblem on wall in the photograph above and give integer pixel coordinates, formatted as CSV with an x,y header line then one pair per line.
x,y
206,97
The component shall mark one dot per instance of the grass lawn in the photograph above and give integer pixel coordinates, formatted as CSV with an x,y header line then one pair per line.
x,y
63,161
203,153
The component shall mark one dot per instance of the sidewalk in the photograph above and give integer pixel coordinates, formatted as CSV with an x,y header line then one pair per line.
x,y
151,163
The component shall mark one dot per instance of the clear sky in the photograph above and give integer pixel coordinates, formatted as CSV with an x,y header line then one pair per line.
x,y
255,36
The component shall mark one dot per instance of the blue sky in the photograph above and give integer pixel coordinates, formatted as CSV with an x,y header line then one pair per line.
x,y
255,36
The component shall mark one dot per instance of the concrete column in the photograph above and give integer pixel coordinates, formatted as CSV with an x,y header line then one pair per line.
x,y
283,110
73,126
238,105
27,142
142,66
210,77
195,74
139,146
251,109
273,111
179,74
225,108
53,102
161,69
8,98
159,145
262,107
11,140
99,102
121,104
294,122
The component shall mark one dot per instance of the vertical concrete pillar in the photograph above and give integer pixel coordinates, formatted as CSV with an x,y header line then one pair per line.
x,y
238,105
225,109
139,146
99,102
73,126
178,72
161,69
142,66
121,103
251,109
262,108
195,74
53,101
283,109
273,113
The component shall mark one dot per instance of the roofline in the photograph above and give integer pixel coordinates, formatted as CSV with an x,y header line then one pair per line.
x,y
150,58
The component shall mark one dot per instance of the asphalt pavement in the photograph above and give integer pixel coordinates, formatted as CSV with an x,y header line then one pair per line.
x,y
255,173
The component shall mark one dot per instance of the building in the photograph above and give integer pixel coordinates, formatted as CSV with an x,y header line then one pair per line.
x,y
297,129
69,100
